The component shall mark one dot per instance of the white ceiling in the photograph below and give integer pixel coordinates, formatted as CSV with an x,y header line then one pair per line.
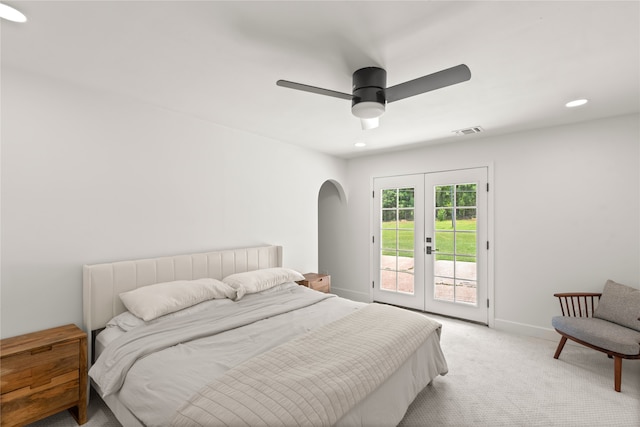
x,y
219,61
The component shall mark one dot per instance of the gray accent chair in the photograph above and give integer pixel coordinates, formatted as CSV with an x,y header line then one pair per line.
x,y
608,322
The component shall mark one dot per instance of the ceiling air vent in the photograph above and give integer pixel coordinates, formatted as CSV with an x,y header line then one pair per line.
x,y
468,131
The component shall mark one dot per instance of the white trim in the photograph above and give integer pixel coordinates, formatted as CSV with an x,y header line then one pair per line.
x,y
523,329
527,330
491,314
352,295
372,223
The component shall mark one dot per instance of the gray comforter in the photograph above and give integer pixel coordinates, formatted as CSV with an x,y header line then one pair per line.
x,y
153,369
315,379
111,368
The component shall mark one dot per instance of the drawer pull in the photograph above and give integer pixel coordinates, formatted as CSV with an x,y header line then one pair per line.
x,y
42,349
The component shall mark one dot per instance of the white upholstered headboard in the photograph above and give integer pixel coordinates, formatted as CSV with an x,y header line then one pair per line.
x,y
103,283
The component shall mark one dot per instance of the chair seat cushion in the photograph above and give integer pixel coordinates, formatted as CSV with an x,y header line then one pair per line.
x,y
600,333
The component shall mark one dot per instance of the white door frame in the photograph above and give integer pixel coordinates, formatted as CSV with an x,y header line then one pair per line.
x,y
490,233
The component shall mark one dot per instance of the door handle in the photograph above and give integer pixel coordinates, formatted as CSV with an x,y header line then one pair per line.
x,y
430,250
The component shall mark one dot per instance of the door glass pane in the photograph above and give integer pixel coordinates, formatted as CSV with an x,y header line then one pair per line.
x,y
466,268
444,219
405,240
388,279
444,245
405,282
466,291
444,289
389,198
406,215
455,262
398,240
466,217
389,241
405,198
466,195
444,196
465,243
389,218
444,269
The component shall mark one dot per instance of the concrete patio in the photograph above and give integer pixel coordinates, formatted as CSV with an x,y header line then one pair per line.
x,y
465,276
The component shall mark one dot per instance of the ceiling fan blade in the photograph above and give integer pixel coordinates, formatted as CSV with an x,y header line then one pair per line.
x,y
444,78
313,89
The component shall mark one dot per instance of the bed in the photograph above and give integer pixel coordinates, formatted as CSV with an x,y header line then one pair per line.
x,y
279,355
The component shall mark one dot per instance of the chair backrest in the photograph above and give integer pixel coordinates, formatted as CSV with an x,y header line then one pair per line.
x,y
578,304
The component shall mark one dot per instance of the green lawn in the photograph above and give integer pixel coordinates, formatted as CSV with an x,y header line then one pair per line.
x,y
466,241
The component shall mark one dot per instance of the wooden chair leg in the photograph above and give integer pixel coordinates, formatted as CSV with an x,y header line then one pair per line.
x,y
563,341
617,362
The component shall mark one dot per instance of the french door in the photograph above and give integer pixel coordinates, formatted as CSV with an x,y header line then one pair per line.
x,y
399,221
430,242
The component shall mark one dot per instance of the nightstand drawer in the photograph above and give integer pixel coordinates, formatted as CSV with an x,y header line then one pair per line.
x,y
322,284
59,394
38,366
317,282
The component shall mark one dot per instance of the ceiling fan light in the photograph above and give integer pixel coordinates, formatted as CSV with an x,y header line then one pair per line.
x,y
369,123
368,110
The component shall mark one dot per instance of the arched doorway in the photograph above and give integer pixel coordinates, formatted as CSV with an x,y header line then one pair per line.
x,y
332,227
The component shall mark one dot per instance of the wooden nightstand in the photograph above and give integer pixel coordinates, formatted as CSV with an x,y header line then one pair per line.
x,y
43,373
318,282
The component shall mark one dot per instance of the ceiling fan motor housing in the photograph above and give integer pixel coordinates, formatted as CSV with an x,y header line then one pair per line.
x,y
369,84
368,99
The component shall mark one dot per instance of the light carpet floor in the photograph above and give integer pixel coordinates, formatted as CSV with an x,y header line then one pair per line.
x,y
498,379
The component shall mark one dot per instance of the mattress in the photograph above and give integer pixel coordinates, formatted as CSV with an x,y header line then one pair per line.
x,y
157,384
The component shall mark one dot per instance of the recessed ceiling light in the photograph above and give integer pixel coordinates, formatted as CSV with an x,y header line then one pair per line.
x,y
576,103
360,144
469,131
11,14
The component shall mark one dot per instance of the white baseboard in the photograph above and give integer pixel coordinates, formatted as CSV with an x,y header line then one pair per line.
x,y
348,294
527,330
530,331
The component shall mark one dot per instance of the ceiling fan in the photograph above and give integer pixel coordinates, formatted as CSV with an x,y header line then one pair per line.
x,y
371,94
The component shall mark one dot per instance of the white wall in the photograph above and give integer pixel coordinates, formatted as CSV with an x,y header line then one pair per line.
x,y
88,177
567,213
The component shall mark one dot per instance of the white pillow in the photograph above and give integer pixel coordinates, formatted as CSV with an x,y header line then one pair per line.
x,y
125,321
152,301
258,280
128,321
